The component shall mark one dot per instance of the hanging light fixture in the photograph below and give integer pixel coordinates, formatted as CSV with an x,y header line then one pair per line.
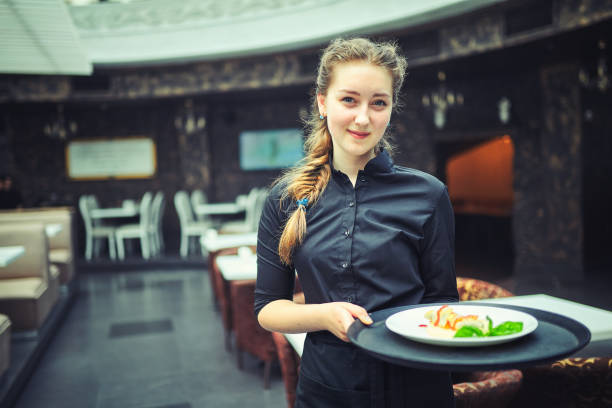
x,y
440,100
600,80
59,128
188,121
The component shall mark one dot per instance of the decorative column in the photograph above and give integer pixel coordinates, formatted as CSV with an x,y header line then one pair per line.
x,y
193,146
547,219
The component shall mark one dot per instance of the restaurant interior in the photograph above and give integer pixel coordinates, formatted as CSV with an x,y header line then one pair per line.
x,y
139,140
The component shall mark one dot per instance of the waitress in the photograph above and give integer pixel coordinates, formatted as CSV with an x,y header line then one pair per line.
x,y
362,234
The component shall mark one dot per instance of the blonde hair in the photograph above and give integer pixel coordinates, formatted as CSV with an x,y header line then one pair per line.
x,y
310,177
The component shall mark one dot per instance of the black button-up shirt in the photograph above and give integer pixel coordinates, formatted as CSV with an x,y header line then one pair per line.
x,y
388,241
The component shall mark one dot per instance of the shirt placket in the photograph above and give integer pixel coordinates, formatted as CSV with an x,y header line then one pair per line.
x,y
349,283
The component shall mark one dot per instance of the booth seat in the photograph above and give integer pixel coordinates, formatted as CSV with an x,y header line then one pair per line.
x,y
29,287
5,344
61,245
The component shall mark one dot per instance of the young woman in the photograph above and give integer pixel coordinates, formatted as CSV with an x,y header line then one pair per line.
x,y
362,234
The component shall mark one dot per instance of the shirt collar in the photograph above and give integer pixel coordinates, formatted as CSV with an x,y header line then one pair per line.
x,y
382,163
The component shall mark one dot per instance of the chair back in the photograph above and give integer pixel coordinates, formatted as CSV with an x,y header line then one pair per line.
x,y
85,208
157,210
260,200
250,207
289,364
183,208
146,210
476,289
198,197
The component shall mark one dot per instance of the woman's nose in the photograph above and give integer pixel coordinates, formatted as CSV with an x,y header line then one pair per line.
x,y
362,118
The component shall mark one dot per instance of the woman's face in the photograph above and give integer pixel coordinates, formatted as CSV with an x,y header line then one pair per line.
x,y
358,108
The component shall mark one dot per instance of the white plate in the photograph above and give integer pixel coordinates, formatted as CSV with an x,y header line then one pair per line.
x,y
406,323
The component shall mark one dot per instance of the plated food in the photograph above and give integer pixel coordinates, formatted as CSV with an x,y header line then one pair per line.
x,y
462,325
444,322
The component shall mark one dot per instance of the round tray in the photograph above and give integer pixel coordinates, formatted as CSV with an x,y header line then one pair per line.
x,y
555,338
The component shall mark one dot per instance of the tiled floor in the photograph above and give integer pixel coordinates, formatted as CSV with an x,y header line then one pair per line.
x,y
153,339
149,339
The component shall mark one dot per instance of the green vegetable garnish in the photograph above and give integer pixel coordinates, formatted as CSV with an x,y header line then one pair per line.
x,y
469,331
502,329
506,328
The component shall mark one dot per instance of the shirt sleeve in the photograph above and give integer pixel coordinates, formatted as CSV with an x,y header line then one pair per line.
x,y
437,260
274,279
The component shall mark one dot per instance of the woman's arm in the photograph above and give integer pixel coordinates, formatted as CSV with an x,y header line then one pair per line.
x,y
285,316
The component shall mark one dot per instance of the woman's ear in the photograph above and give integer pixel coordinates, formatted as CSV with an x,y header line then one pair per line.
x,y
321,103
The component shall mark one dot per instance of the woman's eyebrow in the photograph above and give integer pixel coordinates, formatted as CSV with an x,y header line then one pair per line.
x,y
378,94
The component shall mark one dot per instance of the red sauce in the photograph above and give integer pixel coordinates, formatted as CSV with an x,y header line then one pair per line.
x,y
422,325
438,315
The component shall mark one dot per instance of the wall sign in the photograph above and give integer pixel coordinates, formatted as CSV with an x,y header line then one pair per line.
x,y
270,149
133,157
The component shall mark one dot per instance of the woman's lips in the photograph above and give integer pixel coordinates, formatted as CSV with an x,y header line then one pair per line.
x,y
357,134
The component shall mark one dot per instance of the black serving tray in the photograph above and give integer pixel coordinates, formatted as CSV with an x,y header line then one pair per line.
x,y
555,338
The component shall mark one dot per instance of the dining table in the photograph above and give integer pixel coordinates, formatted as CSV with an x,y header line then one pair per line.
x,y
238,267
127,210
8,254
212,242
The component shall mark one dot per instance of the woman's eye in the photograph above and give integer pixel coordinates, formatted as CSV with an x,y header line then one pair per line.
x,y
348,99
380,103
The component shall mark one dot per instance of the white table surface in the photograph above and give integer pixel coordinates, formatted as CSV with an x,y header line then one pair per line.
x,y
598,321
53,229
217,242
9,254
235,267
115,212
219,209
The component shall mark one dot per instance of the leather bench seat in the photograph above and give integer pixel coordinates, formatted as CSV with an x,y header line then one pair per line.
x,y
61,245
5,344
29,286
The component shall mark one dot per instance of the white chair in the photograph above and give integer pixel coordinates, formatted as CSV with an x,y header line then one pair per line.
x,y
157,215
189,226
141,230
94,229
253,207
198,197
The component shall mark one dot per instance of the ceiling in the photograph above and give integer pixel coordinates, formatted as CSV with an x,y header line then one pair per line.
x,y
53,37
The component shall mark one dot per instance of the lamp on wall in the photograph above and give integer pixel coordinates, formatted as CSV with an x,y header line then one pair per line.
x,y
440,100
59,128
600,80
187,121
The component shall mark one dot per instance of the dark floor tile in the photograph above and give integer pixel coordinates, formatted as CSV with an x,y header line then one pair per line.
x,y
140,328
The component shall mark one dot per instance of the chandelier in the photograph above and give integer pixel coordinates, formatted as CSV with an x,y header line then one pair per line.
x,y
188,121
440,100
59,128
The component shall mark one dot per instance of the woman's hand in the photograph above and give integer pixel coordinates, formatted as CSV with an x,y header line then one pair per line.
x,y
340,315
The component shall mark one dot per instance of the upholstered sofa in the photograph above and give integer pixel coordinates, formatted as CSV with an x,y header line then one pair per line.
x,y
61,244
29,287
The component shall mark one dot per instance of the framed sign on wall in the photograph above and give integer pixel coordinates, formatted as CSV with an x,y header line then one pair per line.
x,y
270,149
132,157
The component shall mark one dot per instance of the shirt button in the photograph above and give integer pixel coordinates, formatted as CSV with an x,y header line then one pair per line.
x,y
349,299
346,233
344,265
351,204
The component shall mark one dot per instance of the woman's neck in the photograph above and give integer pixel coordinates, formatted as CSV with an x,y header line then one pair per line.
x,y
351,165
